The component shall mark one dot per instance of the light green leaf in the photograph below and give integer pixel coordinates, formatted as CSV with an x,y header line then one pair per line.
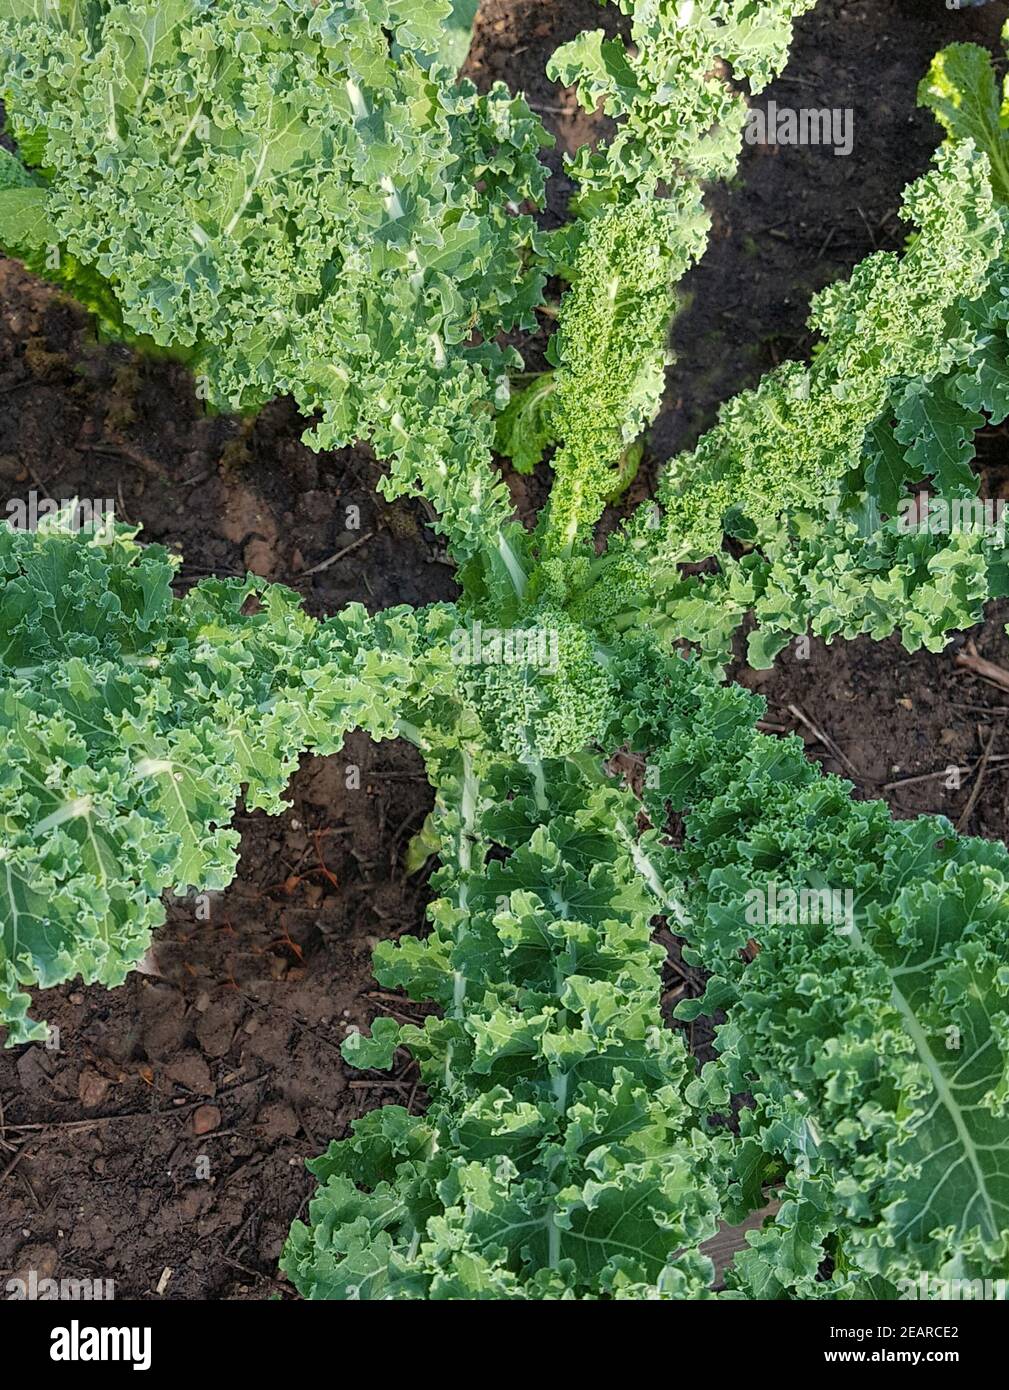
x,y
377,1052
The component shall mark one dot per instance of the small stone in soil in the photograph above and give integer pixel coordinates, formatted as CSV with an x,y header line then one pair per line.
x,y
206,1119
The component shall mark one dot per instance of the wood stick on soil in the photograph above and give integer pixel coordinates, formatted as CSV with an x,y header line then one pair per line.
x,y
129,452
827,742
943,772
376,1086
13,1164
978,780
325,564
168,1110
987,670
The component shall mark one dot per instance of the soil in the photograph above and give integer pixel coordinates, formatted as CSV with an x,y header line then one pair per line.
x,y
162,1143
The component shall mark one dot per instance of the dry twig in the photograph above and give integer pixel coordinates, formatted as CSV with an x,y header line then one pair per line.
x,y
827,742
982,771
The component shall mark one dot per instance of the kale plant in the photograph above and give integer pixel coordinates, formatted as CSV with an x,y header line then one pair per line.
x,y
302,198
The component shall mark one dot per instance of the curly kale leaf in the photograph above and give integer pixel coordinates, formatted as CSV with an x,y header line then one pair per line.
x,y
642,223
525,428
792,440
908,546
610,350
559,1157
819,572
874,1041
131,721
677,118
962,91
295,195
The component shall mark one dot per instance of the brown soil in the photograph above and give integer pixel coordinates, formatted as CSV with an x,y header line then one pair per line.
x,y
162,1145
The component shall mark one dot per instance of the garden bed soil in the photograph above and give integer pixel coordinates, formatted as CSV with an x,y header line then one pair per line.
x,y
162,1143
